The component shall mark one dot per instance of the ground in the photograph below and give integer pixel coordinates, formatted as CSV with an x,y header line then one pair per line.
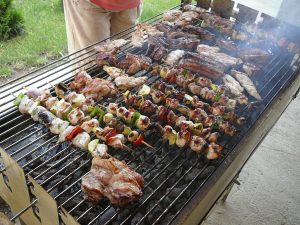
x,y
269,193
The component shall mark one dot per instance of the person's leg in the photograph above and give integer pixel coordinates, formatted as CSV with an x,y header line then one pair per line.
x,y
86,23
124,19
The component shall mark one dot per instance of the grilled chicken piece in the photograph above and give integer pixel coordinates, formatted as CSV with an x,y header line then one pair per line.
x,y
116,141
198,144
112,179
107,58
246,83
134,63
173,57
109,46
89,125
214,151
99,88
234,86
151,30
81,79
114,72
58,126
63,135
125,82
172,15
100,151
75,116
81,140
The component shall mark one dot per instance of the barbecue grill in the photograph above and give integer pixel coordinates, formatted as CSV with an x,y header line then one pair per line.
x,y
40,179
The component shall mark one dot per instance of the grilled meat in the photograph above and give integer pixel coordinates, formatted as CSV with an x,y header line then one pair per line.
x,y
112,179
229,46
109,46
137,38
183,43
107,58
173,57
193,8
134,63
98,88
125,82
81,79
114,72
250,69
202,33
246,83
207,48
172,15
234,86
203,68
254,55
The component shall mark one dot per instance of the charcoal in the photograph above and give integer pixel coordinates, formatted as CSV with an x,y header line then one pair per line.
x,y
175,192
136,218
192,174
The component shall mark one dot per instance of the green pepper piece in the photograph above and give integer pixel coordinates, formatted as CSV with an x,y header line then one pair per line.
x,y
100,116
18,99
92,145
135,117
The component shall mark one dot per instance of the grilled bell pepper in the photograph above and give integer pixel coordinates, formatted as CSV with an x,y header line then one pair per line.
x,y
172,137
145,90
135,117
73,133
111,134
139,140
18,99
92,145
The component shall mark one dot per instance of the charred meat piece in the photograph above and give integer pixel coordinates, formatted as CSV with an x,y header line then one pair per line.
x,y
193,8
246,82
183,43
134,63
202,33
137,38
227,45
203,68
112,179
165,26
218,23
254,55
179,34
157,48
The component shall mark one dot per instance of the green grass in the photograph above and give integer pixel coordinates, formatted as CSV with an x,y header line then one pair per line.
x,y
45,36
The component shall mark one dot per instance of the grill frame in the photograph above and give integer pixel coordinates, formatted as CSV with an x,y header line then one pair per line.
x,y
211,180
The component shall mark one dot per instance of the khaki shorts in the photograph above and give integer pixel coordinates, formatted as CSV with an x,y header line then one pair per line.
x,y
87,23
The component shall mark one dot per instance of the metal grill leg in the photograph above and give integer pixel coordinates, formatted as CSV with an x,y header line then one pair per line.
x,y
229,188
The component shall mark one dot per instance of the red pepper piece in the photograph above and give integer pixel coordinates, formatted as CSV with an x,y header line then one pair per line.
x,y
111,133
73,133
139,140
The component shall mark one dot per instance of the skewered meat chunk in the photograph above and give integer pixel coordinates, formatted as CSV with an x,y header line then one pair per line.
x,y
65,133
197,144
214,151
89,125
254,55
202,33
81,140
234,86
137,38
116,141
58,126
75,116
246,83
114,72
112,179
100,151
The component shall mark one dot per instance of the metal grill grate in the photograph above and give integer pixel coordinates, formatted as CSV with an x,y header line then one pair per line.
x,y
172,176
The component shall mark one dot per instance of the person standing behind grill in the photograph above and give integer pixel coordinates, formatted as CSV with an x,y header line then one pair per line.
x,y
90,21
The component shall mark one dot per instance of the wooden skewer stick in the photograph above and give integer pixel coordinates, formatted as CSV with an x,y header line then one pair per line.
x,y
50,84
127,148
13,94
148,145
